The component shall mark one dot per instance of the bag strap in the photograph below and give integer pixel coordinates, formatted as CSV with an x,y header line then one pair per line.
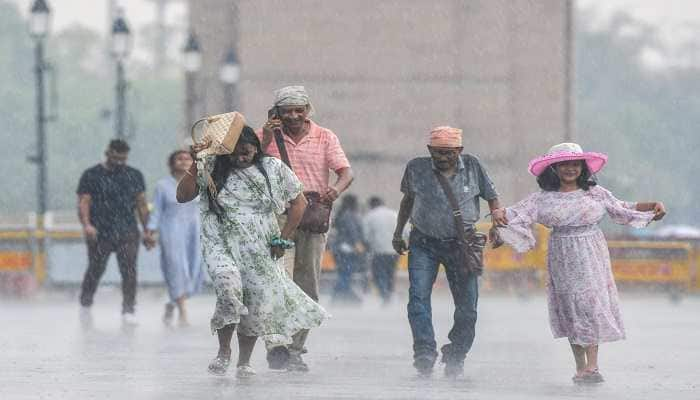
x,y
452,199
279,140
254,185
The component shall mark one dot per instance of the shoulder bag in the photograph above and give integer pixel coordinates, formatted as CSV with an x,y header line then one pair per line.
x,y
317,215
471,244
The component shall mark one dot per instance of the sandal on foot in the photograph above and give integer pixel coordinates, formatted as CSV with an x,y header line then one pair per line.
x,y
578,378
218,366
245,371
593,376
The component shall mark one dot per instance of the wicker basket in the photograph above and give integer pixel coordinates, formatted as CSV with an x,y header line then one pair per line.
x,y
223,132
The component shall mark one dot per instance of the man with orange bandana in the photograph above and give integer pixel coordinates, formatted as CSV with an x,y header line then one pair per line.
x,y
435,240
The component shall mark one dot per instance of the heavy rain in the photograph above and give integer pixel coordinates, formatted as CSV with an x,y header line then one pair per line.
x,y
396,199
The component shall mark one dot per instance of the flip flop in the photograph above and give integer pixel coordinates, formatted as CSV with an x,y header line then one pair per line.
x,y
578,378
593,377
218,366
245,371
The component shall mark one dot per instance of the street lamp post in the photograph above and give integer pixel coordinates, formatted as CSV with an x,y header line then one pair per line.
x,y
121,46
229,74
39,23
192,63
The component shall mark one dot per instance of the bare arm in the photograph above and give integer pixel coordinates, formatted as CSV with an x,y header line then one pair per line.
x,y
345,178
498,214
294,215
296,212
142,210
498,218
494,204
266,140
268,131
657,207
187,188
404,214
84,202
645,206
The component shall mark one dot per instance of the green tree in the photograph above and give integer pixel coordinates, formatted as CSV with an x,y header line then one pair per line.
x,y
644,120
78,138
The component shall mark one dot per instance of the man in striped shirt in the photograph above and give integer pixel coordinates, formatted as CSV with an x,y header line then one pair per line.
x,y
313,152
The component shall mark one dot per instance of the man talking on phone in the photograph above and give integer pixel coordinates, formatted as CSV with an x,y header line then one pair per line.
x,y
312,152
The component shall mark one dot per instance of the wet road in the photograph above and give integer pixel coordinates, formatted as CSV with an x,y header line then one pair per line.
x,y
362,353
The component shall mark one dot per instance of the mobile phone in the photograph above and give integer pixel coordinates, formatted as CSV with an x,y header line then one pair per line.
x,y
272,113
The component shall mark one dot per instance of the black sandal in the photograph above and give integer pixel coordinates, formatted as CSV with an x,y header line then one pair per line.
x,y
278,358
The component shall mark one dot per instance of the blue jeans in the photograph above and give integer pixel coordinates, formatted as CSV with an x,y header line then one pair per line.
x,y
383,271
425,256
345,265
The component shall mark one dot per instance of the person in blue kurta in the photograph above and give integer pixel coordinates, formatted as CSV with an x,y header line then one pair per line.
x,y
347,248
177,226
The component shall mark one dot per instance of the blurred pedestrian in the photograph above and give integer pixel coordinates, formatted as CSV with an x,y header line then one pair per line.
x,y
311,151
441,197
176,228
581,292
242,244
378,228
110,194
347,247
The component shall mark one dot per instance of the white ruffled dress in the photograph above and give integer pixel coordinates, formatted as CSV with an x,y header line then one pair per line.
x,y
252,289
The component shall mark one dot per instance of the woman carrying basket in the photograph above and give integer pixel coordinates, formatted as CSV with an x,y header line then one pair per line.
x,y
242,191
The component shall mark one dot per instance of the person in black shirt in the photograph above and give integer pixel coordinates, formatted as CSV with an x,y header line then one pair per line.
x,y
108,196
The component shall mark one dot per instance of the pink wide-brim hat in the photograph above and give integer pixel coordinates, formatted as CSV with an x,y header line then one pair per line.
x,y
567,152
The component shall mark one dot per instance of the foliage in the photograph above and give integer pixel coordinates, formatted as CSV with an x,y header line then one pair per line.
x,y
77,139
644,120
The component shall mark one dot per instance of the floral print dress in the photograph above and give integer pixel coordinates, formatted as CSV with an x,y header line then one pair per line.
x,y
252,289
581,292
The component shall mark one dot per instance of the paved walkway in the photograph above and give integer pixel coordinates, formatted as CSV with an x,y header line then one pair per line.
x,y
362,353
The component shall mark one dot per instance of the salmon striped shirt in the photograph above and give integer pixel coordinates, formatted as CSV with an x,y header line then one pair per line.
x,y
313,158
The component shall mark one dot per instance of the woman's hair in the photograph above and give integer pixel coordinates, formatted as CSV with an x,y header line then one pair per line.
x,y
173,156
223,166
549,180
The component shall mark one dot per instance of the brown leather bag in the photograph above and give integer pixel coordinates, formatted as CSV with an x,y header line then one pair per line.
x,y
471,244
317,216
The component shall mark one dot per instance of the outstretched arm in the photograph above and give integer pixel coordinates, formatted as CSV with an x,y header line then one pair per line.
x,y
517,231
657,207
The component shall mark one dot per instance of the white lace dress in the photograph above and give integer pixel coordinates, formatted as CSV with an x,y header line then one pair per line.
x,y
252,289
581,291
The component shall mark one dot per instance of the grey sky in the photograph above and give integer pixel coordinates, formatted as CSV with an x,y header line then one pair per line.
x,y
93,13
676,20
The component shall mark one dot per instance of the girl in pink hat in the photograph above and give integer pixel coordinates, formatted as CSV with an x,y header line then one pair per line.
x,y
581,291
